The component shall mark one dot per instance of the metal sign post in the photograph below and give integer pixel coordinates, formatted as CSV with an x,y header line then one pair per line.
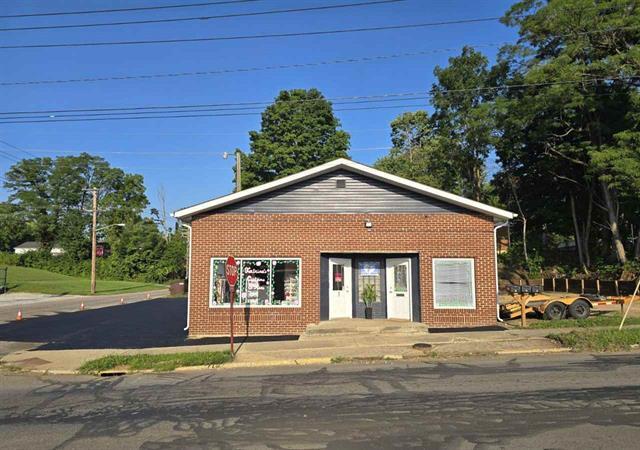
x,y
231,272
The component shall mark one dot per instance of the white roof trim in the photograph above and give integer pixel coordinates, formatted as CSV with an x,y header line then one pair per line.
x,y
447,197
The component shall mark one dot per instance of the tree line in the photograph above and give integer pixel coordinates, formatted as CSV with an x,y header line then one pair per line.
x,y
549,130
50,202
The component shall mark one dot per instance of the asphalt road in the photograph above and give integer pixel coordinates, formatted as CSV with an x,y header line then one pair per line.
x,y
566,401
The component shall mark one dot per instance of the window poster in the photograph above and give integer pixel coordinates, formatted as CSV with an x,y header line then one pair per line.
x,y
255,279
369,268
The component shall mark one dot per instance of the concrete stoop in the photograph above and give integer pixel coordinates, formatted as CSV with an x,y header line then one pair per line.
x,y
360,327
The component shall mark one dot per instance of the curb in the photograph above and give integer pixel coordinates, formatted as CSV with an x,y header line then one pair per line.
x,y
533,351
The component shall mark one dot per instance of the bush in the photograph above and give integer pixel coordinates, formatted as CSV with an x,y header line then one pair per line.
x,y
9,259
513,260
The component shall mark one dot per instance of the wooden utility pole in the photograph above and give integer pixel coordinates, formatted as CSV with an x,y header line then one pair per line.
x,y
94,242
238,168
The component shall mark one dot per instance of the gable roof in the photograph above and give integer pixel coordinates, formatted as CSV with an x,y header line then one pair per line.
x,y
185,214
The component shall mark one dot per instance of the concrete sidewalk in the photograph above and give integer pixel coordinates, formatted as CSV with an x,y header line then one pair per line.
x,y
318,349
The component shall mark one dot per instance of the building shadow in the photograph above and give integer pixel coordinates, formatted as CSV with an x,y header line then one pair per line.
x,y
152,323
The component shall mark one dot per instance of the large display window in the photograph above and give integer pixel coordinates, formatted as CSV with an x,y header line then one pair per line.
x,y
262,282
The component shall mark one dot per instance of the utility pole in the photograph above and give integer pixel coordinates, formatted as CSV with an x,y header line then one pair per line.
x,y
94,243
238,168
238,155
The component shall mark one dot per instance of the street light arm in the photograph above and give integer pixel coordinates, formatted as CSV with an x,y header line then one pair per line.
x,y
121,225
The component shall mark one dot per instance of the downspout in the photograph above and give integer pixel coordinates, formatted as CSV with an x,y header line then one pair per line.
x,y
189,275
495,255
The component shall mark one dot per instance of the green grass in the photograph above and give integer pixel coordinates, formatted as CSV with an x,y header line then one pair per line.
x,y
601,320
25,279
158,362
599,340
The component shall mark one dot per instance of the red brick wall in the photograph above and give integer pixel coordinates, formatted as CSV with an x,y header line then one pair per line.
x,y
306,236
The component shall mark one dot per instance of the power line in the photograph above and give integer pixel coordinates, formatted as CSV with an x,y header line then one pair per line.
x,y
335,100
203,18
119,10
213,107
352,60
168,153
210,105
184,116
253,36
16,148
9,156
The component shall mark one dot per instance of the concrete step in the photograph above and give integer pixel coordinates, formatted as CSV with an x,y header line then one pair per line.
x,y
353,327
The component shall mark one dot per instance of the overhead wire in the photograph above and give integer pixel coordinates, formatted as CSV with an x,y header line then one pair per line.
x,y
352,60
252,36
15,147
235,106
204,18
131,9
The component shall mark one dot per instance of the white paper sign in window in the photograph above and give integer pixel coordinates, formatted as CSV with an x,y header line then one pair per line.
x,y
453,283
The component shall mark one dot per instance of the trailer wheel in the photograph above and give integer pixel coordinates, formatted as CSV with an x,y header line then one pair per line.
x,y
555,311
579,309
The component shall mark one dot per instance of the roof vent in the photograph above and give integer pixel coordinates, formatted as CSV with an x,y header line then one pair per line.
x,y
341,183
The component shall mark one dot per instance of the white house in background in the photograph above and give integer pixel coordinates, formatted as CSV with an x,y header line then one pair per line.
x,y
32,246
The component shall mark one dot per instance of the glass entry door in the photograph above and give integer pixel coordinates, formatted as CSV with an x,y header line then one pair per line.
x,y
340,292
399,288
370,272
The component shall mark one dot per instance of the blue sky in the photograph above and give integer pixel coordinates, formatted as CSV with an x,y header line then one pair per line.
x,y
192,168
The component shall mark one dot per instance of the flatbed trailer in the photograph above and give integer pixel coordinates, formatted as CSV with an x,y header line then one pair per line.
x,y
555,308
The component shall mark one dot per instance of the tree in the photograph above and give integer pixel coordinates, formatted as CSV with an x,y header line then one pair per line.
x,y
12,227
299,131
53,197
463,117
580,60
417,153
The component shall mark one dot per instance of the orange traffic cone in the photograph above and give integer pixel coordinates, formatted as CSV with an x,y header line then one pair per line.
x,y
19,316
82,306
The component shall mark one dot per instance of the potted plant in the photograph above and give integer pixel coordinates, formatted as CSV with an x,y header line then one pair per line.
x,y
369,295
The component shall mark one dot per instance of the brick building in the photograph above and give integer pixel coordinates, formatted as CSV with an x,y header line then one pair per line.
x,y
307,245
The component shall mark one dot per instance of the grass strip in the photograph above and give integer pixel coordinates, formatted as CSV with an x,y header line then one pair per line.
x,y
157,362
26,279
603,320
599,340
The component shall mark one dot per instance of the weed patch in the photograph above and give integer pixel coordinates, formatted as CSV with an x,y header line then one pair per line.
x,y
599,340
157,362
604,320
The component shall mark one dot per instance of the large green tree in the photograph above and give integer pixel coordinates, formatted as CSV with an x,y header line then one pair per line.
x,y
419,154
299,131
569,133
463,118
52,195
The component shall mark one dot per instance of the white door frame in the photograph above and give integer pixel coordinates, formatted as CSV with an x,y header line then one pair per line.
x,y
407,297
341,301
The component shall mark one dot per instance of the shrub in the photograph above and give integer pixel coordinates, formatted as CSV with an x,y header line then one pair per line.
x,y
9,259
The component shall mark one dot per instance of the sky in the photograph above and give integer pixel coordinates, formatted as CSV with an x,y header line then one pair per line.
x,y
184,156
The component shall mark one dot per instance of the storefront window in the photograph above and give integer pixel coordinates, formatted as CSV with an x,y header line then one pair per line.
x,y
261,282
453,280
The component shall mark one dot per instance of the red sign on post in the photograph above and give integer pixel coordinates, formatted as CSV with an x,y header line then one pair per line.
x,y
231,272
